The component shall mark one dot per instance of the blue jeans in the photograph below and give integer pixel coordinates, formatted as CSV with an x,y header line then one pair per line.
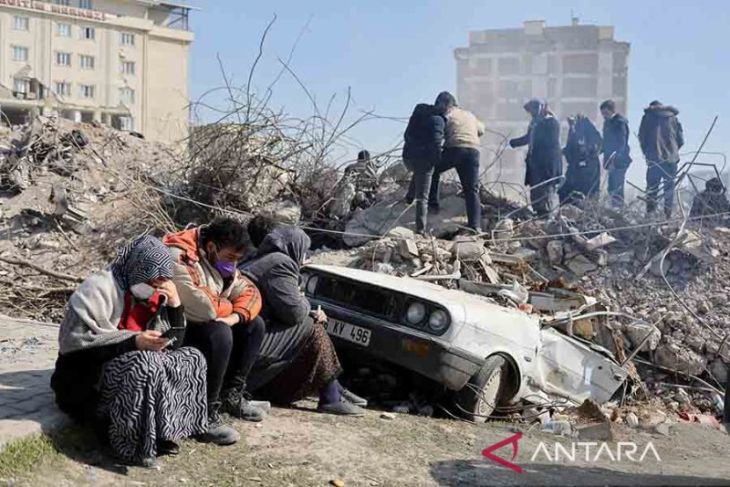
x,y
665,173
418,190
466,162
616,182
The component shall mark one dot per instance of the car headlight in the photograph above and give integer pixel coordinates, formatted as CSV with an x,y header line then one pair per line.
x,y
416,313
438,320
312,284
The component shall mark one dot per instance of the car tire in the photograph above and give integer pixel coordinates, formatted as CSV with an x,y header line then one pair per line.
x,y
478,399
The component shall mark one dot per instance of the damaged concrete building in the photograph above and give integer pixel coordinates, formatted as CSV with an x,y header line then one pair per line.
x,y
123,63
573,67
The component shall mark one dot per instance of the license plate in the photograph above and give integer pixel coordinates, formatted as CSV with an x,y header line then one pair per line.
x,y
346,331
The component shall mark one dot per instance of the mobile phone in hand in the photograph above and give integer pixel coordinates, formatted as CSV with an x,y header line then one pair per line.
x,y
175,336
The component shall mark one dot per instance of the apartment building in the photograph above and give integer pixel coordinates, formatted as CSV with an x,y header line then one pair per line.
x,y
573,67
118,62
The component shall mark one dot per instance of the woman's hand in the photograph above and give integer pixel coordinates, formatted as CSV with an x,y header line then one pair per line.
x,y
151,340
170,291
319,316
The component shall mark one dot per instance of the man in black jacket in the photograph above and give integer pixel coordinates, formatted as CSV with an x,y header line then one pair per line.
x,y
583,177
661,137
424,137
544,158
616,151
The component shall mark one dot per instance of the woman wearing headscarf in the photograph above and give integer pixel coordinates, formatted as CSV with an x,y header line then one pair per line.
x,y
297,357
118,367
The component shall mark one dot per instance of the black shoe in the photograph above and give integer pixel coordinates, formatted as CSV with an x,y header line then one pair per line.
x,y
354,398
218,432
237,404
167,447
342,408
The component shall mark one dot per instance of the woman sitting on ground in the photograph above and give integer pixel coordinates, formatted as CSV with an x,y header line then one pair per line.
x,y
297,357
116,370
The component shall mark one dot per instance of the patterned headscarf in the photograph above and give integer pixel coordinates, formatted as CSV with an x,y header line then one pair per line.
x,y
144,259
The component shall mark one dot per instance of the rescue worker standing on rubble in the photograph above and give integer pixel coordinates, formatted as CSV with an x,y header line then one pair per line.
x,y
616,151
544,158
661,137
421,154
583,177
461,151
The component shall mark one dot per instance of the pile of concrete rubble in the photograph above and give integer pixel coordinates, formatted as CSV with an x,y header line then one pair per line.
x,y
612,256
71,194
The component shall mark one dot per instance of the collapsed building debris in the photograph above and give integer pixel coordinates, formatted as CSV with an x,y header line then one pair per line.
x,y
84,189
593,250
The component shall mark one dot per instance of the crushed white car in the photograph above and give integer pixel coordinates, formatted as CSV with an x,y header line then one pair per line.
x,y
486,353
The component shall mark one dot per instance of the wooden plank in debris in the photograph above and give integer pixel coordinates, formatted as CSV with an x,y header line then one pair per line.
x,y
489,271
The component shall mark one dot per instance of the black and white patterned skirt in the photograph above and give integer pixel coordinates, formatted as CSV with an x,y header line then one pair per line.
x,y
151,396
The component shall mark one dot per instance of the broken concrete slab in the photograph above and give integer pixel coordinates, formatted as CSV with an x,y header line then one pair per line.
x,y
392,210
626,257
662,429
596,432
637,333
468,251
600,257
407,248
400,232
555,251
600,241
581,265
525,254
675,357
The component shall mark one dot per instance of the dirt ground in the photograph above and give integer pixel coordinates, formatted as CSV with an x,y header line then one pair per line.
x,y
299,447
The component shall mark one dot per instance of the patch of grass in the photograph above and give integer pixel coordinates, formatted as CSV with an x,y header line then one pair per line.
x,y
19,457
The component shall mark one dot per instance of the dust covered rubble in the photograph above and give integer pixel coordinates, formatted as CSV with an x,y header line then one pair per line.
x,y
70,195
597,252
71,205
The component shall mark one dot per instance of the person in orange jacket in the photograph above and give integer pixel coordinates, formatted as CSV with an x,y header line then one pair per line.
x,y
222,308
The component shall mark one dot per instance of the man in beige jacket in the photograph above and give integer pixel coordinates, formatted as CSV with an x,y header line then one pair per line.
x,y
461,151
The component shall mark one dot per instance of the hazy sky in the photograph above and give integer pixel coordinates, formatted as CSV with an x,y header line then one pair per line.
x,y
395,53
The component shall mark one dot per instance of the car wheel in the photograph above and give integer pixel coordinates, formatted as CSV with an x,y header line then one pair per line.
x,y
480,396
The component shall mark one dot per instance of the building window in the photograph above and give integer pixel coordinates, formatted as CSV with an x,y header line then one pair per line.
x,y
21,23
126,95
63,88
86,62
87,91
127,39
126,123
63,58
21,86
85,4
66,3
88,33
63,30
128,67
20,53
